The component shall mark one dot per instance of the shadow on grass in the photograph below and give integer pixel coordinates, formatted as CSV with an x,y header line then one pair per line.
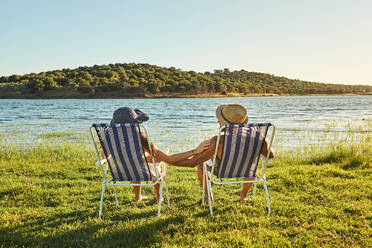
x,y
29,231
357,163
78,229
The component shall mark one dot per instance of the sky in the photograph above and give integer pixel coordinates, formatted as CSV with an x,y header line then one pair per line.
x,y
326,41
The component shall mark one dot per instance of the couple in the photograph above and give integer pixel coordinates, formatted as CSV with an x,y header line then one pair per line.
x,y
226,114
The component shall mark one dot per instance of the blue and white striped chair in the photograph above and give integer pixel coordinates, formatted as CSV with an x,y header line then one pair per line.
x,y
122,147
240,157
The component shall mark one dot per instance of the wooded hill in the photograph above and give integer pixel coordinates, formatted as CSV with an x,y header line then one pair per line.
x,y
141,80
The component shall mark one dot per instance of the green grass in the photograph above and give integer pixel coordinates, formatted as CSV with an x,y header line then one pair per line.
x,y
49,197
56,135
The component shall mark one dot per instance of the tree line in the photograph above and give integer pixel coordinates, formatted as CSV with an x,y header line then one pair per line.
x,y
131,78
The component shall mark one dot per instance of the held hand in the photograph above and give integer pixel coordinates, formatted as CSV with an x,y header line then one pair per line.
x,y
202,146
155,153
149,159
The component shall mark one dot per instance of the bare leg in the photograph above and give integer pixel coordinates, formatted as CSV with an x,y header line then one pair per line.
x,y
137,192
156,189
245,189
200,176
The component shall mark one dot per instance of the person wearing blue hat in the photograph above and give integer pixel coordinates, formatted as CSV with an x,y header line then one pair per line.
x,y
130,115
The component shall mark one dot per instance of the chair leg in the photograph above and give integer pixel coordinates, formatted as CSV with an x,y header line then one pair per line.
x,y
116,196
204,181
167,192
160,196
267,198
100,205
254,190
209,188
166,184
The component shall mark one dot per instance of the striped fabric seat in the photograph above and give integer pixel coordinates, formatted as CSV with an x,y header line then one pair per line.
x,y
123,149
242,149
240,157
122,153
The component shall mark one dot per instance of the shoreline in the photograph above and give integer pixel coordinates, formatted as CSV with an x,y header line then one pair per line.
x,y
119,95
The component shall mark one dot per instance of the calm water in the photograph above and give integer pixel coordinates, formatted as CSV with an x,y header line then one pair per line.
x,y
186,122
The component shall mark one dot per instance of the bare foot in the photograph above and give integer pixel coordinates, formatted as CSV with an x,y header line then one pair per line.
x,y
142,197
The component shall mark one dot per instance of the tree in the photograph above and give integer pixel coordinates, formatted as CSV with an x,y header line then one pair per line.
x,y
84,86
122,74
86,75
14,78
154,86
35,84
220,87
3,79
49,83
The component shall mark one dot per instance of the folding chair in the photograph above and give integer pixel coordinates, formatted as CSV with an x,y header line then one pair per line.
x,y
240,157
124,155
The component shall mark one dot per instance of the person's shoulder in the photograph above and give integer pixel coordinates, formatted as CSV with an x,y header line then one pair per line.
x,y
213,140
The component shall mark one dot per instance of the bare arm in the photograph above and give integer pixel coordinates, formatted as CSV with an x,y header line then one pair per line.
x,y
199,158
265,149
171,159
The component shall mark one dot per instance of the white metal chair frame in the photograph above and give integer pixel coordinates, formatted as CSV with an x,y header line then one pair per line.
x,y
258,179
161,174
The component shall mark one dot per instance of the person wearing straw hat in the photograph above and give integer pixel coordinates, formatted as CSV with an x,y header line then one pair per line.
x,y
226,114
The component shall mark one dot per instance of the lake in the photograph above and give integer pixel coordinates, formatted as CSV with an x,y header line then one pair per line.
x,y
183,122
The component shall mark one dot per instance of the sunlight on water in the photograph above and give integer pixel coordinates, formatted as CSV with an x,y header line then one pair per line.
x,y
182,123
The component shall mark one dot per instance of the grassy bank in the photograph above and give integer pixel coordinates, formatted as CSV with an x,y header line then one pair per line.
x,y
73,94
70,93
49,197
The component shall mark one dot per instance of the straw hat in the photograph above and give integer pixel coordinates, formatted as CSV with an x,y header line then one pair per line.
x,y
231,114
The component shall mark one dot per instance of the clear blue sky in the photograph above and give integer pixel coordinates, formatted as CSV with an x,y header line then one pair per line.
x,y
324,41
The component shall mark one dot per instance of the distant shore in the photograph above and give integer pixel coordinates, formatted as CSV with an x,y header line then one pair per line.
x,y
68,94
130,80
